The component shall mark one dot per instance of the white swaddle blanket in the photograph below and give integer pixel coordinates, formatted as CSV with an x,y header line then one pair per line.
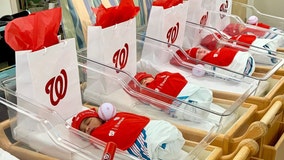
x,y
243,63
164,141
192,94
276,34
269,45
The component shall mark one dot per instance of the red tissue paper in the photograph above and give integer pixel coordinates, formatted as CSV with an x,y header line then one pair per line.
x,y
35,31
167,3
106,17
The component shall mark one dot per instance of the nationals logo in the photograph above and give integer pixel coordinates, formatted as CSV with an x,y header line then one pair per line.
x,y
224,8
203,21
120,57
107,156
56,87
172,34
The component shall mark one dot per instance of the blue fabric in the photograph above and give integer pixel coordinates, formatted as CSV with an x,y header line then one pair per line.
x,y
77,25
139,148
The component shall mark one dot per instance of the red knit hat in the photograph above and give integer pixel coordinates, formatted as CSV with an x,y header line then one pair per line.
x,y
210,41
141,75
192,52
232,29
77,120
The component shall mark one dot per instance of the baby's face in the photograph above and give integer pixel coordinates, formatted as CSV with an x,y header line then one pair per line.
x,y
201,52
89,124
147,80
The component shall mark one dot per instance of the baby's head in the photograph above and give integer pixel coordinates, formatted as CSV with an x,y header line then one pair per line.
x,y
212,41
197,52
144,78
234,29
87,120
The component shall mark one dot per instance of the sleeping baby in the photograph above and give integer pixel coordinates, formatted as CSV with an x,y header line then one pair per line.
x,y
229,58
177,93
261,30
258,47
138,135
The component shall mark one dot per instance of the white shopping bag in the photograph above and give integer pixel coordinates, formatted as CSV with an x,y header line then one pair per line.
x,y
198,15
168,24
196,11
114,46
220,16
217,5
208,13
50,77
167,27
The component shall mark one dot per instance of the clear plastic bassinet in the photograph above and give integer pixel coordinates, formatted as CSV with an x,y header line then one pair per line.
x,y
44,130
232,25
270,85
245,11
196,35
158,61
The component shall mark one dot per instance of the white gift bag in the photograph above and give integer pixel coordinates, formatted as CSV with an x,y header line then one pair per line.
x,y
196,14
196,11
220,16
114,46
50,77
217,5
166,25
205,12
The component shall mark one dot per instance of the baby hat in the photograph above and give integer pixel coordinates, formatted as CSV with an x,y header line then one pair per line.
x,y
210,41
141,75
77,120
233,29
192,52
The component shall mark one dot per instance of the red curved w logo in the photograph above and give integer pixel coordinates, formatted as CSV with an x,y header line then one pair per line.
x,y
56,87
224,8
172,34
120,57
203,21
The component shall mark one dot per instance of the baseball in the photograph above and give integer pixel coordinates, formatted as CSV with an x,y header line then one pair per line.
x,y
198,70
106,111
252,20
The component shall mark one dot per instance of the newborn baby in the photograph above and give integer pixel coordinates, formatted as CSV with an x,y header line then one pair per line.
x,y
258,47
138,135
183,94
229,58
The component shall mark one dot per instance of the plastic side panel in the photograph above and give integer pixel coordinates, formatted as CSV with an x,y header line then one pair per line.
x,y
206,36
127,99
156,57
250,10
50,134
40,120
